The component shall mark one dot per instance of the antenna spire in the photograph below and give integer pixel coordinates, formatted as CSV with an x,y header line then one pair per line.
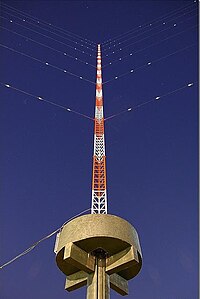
x,y
99,194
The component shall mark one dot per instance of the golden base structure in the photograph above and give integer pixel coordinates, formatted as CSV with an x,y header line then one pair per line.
x,y
101,251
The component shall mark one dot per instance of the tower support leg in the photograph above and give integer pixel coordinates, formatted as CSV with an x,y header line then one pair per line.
x,y
98,282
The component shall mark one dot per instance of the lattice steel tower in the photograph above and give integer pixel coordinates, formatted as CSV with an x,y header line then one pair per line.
x,y
99,250
99,194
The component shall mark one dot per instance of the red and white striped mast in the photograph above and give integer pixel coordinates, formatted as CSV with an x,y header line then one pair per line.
x,y
90,250
99,194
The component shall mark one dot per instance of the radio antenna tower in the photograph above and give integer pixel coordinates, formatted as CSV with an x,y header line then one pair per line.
x,y
99,250
99,194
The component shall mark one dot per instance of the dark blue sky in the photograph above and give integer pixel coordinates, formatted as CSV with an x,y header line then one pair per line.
x,y
152,152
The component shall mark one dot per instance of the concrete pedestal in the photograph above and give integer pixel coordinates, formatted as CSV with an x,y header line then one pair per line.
x,y
100,251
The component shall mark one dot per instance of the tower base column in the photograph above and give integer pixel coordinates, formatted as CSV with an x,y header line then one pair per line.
x,y
98,286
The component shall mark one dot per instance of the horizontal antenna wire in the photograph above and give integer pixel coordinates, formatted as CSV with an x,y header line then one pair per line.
x,y
164,95
139,40
151,45
47,24
47,63
36,25
148,63
56,40
146,24
154,99
152,28
117,114
41,240
51,48
109,117
45,100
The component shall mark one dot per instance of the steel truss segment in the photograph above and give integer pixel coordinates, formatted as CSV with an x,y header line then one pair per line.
x,y
99,194
99,202
99,146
